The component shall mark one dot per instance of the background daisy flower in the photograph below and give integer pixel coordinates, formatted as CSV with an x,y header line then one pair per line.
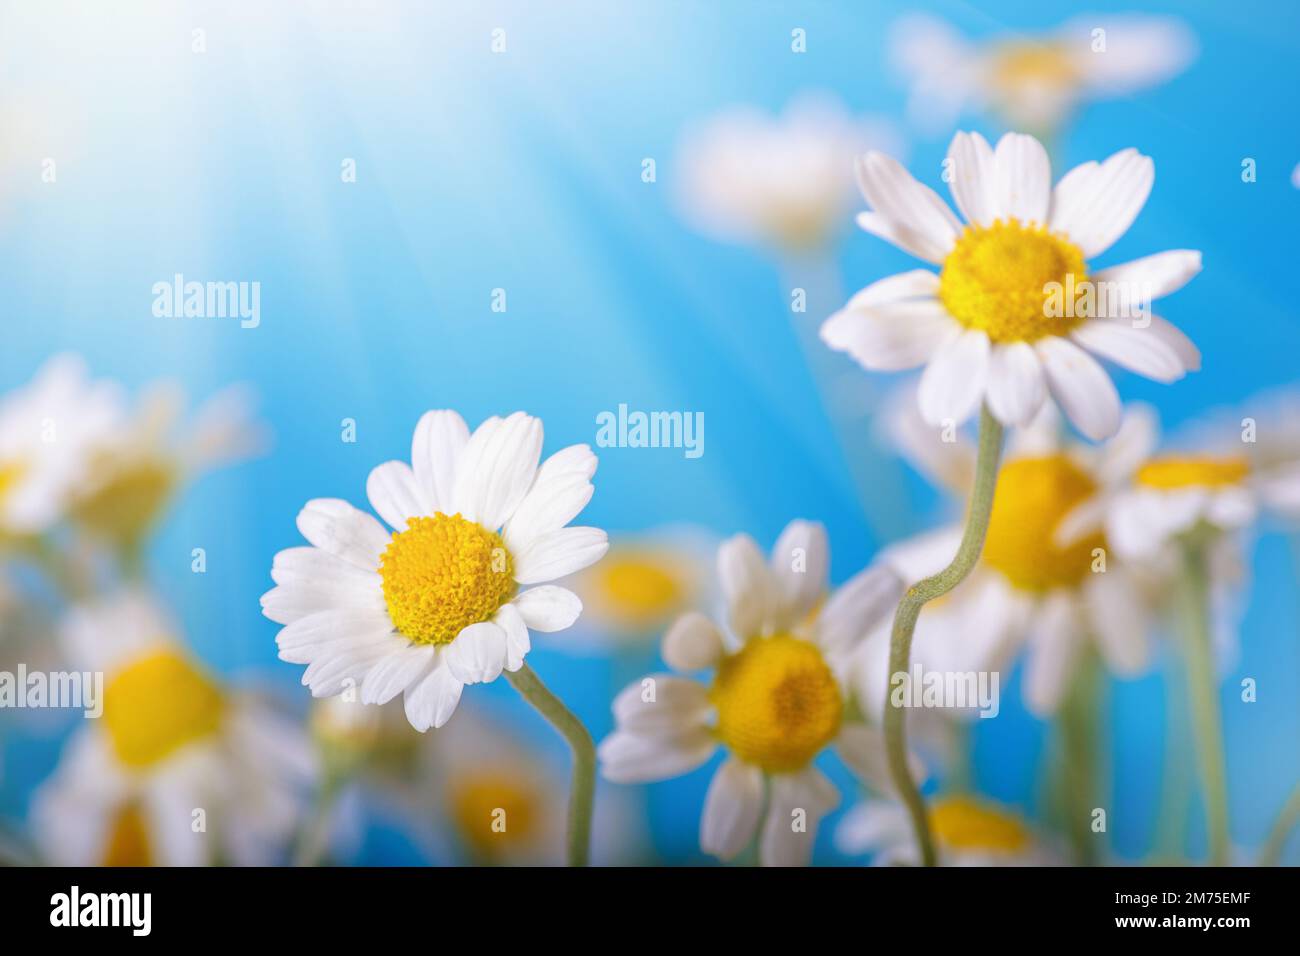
x,y
179,770
436,603
984,326
776,700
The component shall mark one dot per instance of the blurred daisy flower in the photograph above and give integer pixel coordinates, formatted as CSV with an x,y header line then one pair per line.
x,y
1034,82
968,832
775,702
49,429
785,181
1014,312
436,603
179,770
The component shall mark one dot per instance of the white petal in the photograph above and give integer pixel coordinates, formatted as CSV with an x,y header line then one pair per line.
x,y
692,643
497,468
731,809
809,791
1231,508
857,606
333,525
747,586
1024,179
432,701
634,758
518,643
1095,204
440,437
1139,282
892,191
1119,621
548,608
907,239
954,380
950,463
396,672
1053,650
974,178
1136,349
892,336
557,553
318,571
862,748
800,564
395,495
1081,387
662,705
478,654
1174,337
871,826
1141,521
917,284
1131,446
1016,390
304,639
562,489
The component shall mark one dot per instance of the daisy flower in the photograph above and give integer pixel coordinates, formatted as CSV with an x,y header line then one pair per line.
x,y
967,832
437,603
48,431
786,181
776,699
179,770
1015,309
1035,82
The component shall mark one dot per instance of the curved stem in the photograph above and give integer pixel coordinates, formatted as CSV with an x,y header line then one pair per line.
x,y
909,609
1204,698
1282,827
583,788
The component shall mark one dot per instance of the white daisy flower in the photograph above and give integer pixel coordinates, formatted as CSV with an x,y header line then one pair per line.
x,y
967,832
787,181
1046,577
172,750
1014,311
776,700
436,603
1035,82
48,431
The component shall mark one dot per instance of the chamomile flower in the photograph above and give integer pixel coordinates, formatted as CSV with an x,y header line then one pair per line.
x,y
179,770
1034,82
785,181
437,603
1046,578
1015,309
49,429
776,699
967,832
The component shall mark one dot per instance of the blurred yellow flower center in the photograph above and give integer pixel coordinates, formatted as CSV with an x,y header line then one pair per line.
x,y
128,841
997,279
778,703
639,586
11,472
1032,496
1037,66
1193,472
125,505
961,823
443,574
157,705
495,809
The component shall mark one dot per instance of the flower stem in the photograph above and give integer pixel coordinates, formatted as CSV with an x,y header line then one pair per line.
x,y
909,609
1078,726
583,788
1204,697
1282,827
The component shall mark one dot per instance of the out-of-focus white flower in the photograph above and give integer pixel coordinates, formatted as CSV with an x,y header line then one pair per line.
x,y
967,832
49,432
776,701
1034,82
172,742
787,180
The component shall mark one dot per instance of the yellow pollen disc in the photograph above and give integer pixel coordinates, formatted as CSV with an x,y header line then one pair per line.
x,y
443,574
960,823
778,703
1193,472
997,279
494,809
639,586
1035,66
128,841
1032,496
157,705
126,505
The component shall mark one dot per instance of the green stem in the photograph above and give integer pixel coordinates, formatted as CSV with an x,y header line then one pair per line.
x,y
583,788
909,609
1204,697
313,839
1282,827
1079,757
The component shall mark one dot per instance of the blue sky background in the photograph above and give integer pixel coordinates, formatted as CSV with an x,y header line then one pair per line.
x,y
522,171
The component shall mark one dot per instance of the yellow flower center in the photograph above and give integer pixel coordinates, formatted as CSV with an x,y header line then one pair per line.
x,y
999,279
157,705
443,574
1039,66
639,587
1193,472
960,823
125,505
494,810
778,703
11,472
128,841
1032,496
